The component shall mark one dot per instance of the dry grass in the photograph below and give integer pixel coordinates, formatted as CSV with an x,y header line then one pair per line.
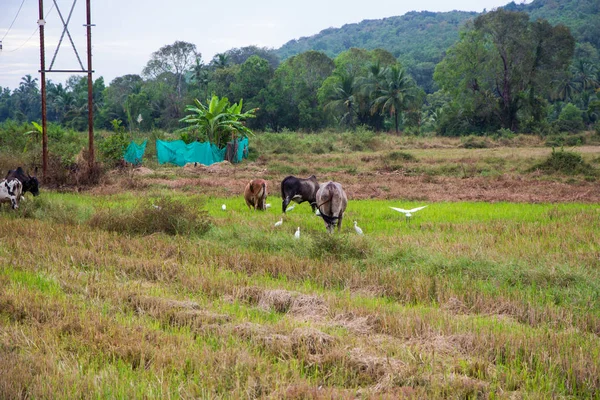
x,y
449,307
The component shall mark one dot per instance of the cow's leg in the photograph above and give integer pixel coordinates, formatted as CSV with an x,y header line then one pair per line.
x,y
285,203
339,223
14,203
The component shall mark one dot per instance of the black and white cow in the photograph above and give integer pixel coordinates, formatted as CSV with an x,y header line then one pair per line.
x,y
299,190
30,183
11,191
332,202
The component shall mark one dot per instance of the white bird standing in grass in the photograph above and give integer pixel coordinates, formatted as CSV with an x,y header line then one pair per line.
x,y
278,223
297,234
408,213
268,205
290,208
223,207
357,229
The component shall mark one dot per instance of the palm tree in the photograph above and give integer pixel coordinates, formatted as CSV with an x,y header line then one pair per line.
x,y
585,75
370,84
220,60
28,84
565,88
394,94
27,99
200,75
341,101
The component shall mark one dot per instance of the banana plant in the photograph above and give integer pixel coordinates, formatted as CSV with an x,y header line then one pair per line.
x,y
34,135
217,121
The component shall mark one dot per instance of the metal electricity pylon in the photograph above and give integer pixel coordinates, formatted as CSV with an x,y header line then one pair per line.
x,y
88,71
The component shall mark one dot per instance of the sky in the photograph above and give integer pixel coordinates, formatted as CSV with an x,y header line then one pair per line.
x,y
127,32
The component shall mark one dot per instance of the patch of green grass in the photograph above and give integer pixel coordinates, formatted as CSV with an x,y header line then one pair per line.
x,y
32,280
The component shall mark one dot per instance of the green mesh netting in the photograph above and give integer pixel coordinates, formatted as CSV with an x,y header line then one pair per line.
x,y
179,153
135,152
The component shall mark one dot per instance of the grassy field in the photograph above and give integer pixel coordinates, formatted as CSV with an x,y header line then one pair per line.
x,y
468,299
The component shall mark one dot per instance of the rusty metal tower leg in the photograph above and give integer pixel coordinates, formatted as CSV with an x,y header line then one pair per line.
x,y
90,88
41,23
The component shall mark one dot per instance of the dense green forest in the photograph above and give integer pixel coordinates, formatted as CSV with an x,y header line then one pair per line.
x,y
530,68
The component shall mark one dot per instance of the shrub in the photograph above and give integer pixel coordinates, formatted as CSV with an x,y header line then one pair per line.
x,y
112,148
62,171
474,142
164,214
565,140
11,160
360,140
399,156
13,134
504,133
339,247
570,119
565,162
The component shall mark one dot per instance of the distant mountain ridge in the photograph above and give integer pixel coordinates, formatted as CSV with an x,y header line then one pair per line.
x,y
419,39
395,34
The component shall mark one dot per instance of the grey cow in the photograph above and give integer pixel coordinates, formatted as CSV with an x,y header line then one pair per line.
x,y
332,202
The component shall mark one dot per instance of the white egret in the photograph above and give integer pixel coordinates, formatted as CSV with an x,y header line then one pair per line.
x,y
357,228
278,223
268,205
408,213
297,234
223,207
290,208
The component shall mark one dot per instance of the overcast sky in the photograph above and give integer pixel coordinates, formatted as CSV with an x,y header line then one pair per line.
x,y
127,32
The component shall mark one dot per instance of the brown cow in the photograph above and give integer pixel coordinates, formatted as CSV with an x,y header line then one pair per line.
x,y
255,194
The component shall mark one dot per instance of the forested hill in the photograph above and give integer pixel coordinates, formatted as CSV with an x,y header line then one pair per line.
x,y
581,16
424,34
419,39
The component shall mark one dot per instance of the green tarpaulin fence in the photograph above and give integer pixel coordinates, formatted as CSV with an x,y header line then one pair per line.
x,y
135,152
179,153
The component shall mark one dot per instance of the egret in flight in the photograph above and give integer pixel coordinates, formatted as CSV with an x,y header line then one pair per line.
x,y
408,213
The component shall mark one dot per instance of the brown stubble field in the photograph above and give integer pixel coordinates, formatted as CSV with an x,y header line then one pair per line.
x,y
446,174
486,296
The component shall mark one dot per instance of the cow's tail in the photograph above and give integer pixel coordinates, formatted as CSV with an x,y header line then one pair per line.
x,y
329,219
283,191
261,196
